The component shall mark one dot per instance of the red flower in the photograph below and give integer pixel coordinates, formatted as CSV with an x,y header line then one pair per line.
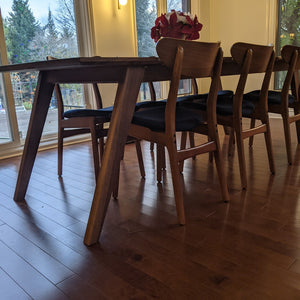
x,y
176,25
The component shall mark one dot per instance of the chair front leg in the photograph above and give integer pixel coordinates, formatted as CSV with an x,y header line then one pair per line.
x,y
287,135
60,144
176,179
252,125
297,123
269,147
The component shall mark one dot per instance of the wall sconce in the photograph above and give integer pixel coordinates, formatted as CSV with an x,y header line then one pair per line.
x,y
121,2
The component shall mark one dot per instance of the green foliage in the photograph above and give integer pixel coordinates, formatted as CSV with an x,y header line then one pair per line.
x,y
66,19
145,19
27,40
27,105
21,29
50,27
289,29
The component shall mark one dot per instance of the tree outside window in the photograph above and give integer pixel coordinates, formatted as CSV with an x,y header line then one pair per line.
x,y
146,13
288,30
32,36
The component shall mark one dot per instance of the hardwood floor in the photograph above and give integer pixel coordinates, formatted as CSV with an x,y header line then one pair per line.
x,y
248,248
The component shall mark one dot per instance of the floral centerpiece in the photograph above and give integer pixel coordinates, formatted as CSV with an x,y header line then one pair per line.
x,y
176,24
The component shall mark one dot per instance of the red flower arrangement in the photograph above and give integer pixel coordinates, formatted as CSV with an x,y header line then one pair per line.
x,y
176,24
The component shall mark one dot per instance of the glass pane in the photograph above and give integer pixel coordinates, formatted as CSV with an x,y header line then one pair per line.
x,y
5,133
181,5
174,4
33,30
146,13
288,31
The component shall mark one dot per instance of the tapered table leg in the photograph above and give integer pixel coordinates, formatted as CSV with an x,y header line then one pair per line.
x,y
37,120
127,94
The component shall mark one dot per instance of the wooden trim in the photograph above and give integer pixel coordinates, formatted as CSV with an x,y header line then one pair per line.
x,y
14,129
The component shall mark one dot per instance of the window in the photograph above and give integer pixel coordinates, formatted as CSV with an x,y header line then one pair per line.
x,y
288,32
146,13
34,29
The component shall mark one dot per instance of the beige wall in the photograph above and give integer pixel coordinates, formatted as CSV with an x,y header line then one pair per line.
x,y
114,35
227,21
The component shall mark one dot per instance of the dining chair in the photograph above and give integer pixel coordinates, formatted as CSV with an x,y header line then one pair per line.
x,y
81,121
160,124
232,108
280,102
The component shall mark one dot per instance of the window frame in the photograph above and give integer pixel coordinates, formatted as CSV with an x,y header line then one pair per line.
x,y
86,47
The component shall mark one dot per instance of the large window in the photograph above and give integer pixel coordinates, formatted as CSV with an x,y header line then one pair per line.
x,y
34,29
288,30
146,13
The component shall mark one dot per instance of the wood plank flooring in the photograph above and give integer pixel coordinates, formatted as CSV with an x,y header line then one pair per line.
x,y
246,249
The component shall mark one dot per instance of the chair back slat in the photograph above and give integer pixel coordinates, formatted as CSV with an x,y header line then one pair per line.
x,y
198,60
260,56
195,60
287,52
291,55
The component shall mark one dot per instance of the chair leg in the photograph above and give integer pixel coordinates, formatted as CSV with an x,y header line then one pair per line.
x,y
60,144
241,156
140,158
221,173
95,151
252,125
210,154
192,141
176,179
297,123
269,147
159,164
101,148
231,141
182,147
151,146
287,135
116,179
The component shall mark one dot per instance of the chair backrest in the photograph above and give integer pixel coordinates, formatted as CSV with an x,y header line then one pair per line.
x,y
59,98
194,60
253,58
291,55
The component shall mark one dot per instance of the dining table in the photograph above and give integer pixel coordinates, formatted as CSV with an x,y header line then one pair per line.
x,y
128,73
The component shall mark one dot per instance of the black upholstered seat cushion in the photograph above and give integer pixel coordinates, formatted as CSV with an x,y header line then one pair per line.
x,y
152,104
221,94
224,104
154,118
274,97
149,104
103,112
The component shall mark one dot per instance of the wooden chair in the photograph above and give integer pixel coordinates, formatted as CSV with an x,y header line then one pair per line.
x,y
231,109
80,121
280,102
160,124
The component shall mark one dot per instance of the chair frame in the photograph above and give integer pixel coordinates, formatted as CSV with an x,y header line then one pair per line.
x,y
185,58
68,127
251,58
291,56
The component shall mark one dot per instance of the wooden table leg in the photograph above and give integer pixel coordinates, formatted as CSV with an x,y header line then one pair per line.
x,y
38,115
121,118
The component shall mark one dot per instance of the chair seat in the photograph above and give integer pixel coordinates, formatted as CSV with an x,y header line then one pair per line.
x,y
274,97
103,112
152,104
149,104
224,104
154,119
